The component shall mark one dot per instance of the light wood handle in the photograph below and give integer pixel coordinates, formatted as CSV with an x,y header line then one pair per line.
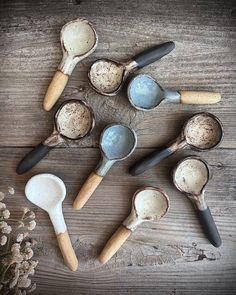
x,y
55,90
67,251
87,190
199,97
114,243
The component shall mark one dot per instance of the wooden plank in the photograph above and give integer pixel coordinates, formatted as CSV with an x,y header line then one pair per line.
x,y
204,59
171,256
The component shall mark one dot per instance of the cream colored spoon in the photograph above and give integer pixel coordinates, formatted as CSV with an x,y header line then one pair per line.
x,y
148,204
78,40
47,191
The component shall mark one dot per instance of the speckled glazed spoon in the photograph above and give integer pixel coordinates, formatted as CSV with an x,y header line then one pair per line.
x,y
145,94
148,204
48,191
201,132
78,40
73,120
190,176
117,142
107,76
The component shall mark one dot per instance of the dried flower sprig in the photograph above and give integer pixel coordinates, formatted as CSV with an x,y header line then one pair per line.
x,y
16,264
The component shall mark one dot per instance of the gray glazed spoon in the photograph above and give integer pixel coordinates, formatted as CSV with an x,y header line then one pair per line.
x,y
117,142
145,94
190,176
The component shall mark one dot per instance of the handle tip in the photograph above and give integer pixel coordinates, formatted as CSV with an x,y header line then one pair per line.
x,y
78,205
19,170
74,266
134,171
46,106
217,243
102,259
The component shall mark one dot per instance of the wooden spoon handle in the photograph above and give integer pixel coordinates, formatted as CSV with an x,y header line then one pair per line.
x,y
87,190
67,251
199,97
114,243
55,90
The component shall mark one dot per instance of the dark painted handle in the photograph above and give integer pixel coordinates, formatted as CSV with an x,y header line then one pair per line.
x,y
209,227
153,54
32,158
149,161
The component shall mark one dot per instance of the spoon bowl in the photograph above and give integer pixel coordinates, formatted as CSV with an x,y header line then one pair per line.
x,y
117,142
48,191
51,194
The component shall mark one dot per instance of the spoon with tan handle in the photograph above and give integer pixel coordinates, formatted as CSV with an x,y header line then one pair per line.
x,y
145,94
78,40
47,191
148,204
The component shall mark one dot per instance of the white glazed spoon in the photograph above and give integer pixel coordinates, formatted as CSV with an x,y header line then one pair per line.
x,y
78,40
148,204
47,191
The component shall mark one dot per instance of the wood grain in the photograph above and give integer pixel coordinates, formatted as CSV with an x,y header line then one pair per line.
x,y
169,257
159,257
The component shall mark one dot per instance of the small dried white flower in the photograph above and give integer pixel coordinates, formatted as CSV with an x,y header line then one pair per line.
x,y
3,224
28,253
16,258
25,234
7,229
3,240
21,224
2,196
25,210
19,238
6,214
24,282
2,206
32,225
32,288
31,215
15,248
11,190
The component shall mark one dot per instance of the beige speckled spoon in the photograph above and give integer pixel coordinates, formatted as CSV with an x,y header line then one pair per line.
x,y
148,204
78,40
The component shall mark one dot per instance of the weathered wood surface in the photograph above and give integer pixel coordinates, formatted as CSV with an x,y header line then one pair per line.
x,y
170,256
173,256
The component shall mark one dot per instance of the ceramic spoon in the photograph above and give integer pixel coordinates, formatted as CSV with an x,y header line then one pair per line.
x,y
145,94
117,142
107,76
201,132
190,176
48,191
73,120
78,40
148,204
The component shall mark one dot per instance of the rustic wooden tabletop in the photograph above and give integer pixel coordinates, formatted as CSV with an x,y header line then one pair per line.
x,y
169,257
